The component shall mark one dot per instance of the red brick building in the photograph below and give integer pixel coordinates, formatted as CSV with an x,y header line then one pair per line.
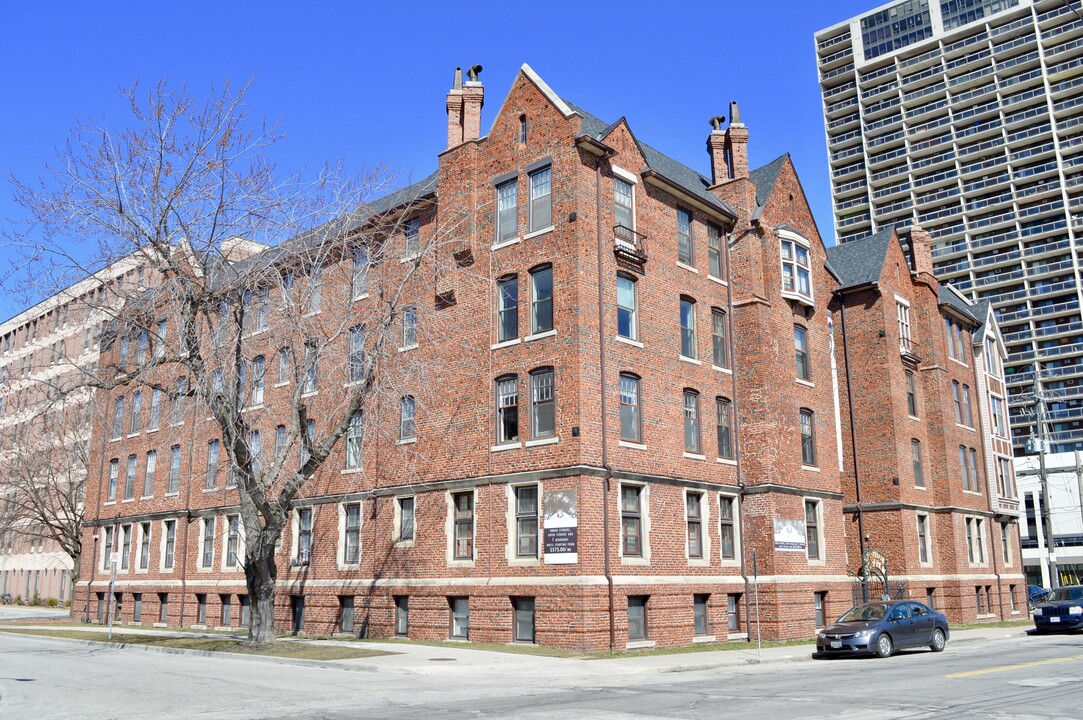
x,y
634,421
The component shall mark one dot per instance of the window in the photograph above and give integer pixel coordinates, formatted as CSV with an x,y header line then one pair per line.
x,y
733,612
691,421
688,328
957,397
174,469
212,464
280,440
714,251
720,350
155,409
345,613
522,128
409,326
693,507
1000,427
107,547
356,366
975,540
304,536
118,417
631,428
246,609
1006,543
623,204
902,312
351,550
460,617
313,292
114,474
541,300
626,307
637,617
233,539
796,265
507,208
911,394
402,615
207,558
1005,478
137,412
808,437
631,520
169,540
354,441
800,342
541,199
542,404
507,308
284,365
819,599
964,471
949,328
410,246
727,531
226,617
523,631
919,470
699,614
923,538
967,410
159,341
406,518
812,529
137,607
201,608
507,409
141,348
464,525
526,521
685,246
407,429
178,401
144,545
312,367
129,479
975,478
359,278
125,546
259,369
163,607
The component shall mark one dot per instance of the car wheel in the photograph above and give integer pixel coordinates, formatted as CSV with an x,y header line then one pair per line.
x,y
884,646
938,643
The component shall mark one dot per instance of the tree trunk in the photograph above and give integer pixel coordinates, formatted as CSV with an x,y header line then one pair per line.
x,y
76,565
260,574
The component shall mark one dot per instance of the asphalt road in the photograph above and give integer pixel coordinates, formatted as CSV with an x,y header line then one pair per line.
x,y
1022,677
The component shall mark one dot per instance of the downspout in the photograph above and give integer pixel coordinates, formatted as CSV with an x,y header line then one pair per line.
x,y
853,431
736,404
602,377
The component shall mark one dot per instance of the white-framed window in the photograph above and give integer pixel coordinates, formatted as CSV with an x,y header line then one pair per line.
x,y
623,204
259,370
407,425
968,411
1006,543
634,521
542,403
178,401
114,476
462,504
411,247
541,299
918,462
409,327
796,266
626,307
405,524
686,253
902,314
354,440
688,328
691,422
911,394
233,541
206,543
507,409
631,425
507,211
808,437
801,351
118,417
507,308
356,359
459,608
1000,425
169,543
924,545
975,540
526,520
107,545
125,546
728,517
351,533
694,511
144,546
715,253
720,353
129,478
155,409
814,532
302,536
359,276
137,413
541,199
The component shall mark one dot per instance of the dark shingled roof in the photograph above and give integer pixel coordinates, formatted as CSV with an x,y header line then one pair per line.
x,y
980,310
764,178
948,297
661,163
860,262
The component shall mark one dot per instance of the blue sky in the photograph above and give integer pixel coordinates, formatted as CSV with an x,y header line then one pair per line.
x,y
366,82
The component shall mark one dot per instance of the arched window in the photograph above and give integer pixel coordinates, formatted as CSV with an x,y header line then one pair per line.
x,y
691,421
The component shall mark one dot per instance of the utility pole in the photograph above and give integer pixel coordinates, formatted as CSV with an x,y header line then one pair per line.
x,y
1079,482
1047,518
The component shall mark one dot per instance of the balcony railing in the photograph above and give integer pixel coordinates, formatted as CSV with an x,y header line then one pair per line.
x,y
629,244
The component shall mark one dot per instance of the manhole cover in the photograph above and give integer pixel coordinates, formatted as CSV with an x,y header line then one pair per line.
x,y
441,659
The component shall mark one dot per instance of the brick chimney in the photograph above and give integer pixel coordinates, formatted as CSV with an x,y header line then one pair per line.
x,y
716,148
737,144
921,252
473,100
455,111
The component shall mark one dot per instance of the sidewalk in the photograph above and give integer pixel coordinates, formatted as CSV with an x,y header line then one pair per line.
x,y
457,660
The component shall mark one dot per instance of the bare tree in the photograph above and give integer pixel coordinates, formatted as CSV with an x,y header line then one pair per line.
x,y
246,274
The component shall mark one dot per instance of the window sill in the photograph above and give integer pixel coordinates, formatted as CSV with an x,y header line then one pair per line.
x,y
403,543
524,562
127,500
737,636
210,490
133,435
699,562
410,258
110,502
175,493
160,625
506,243
806,383
632,445
640,644
540,336
539,232
718,280
281,384
640,561
508,446
408,347
362,296
406,441
726,461
693,456
348,567
693,361
698,639
687,267
799,297
152,430
913,417
350,471
145,497
920,487
810,468
814,562
722,369
628,341
310,393
460,563
252,407
543,441
506,343
958,362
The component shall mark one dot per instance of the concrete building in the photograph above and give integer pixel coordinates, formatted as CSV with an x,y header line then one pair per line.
x,y
634,416
1064,478
965,118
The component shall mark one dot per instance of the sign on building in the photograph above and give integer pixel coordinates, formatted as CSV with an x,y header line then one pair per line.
x,y
561,532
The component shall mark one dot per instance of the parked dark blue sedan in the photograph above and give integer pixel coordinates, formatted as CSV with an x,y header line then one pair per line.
x,y
880,628
1061,610
1036,594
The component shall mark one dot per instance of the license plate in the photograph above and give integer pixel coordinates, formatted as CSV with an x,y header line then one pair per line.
x,y
836,644
1054,619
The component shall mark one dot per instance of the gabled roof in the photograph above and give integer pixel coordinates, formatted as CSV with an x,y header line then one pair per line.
x,y
950,296
860,262
684,176
765,177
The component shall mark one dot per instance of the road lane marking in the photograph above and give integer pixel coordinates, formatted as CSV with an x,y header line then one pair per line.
x,y
1020,666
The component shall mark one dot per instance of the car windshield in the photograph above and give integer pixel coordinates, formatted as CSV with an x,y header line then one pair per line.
x,y
872,611
1072,594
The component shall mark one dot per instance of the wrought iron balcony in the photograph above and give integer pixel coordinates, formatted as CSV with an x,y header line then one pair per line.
x,y
629,244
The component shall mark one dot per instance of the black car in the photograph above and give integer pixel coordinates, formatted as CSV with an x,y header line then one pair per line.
x,y
880,628
1062,609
